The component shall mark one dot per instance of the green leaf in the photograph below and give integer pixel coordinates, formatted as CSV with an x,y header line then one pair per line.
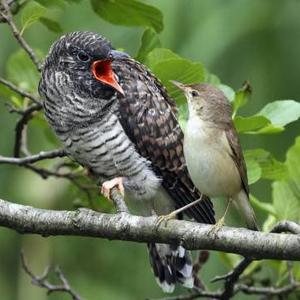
x,y
22,72
167,66
281,112
228,91
250,124
181,70
262,206
150,40
272,169
129,13
241,97
73,1
271,119
286,204
211,78
293,162
31,13
269,223
229,259
182,116
269,129
52,3
253,171
158,55
51,24
17,101
7,93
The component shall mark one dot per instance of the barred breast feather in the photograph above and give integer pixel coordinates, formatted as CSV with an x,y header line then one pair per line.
x,y
134,135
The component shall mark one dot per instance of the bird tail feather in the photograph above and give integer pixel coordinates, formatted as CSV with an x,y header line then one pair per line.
x,y
242,203
171,265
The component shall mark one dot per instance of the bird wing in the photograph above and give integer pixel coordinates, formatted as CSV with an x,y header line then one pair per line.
x,y
148,116
237,155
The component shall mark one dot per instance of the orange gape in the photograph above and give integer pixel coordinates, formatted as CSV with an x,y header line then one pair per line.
x,y
103,72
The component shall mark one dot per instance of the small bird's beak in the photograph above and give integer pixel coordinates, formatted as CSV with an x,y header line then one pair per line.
x,y
103,72
178,84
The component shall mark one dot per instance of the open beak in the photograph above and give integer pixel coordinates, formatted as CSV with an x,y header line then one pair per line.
x,y
178,84
103,72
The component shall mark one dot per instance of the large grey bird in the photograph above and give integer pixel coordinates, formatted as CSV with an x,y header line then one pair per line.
x,y
116,119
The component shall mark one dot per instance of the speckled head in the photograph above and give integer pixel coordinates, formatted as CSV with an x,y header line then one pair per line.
x,y
85,59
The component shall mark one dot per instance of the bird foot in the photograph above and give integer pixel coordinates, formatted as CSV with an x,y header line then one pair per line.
x,y
214,230
165,218
107,186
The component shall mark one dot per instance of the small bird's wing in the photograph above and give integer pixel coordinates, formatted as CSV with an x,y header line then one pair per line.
x,y
242,198
147,115
237,155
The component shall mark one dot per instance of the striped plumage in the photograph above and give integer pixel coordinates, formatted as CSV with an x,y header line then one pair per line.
x,y
135,136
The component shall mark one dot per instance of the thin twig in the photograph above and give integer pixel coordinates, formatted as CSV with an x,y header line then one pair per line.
x,y
27,162
19,91
21,126
26,115
201,260
232,278
45,173
251,290
192,296
33,158
41,281
7,16
14,9
286,226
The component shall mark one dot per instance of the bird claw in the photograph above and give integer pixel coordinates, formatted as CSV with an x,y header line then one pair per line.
x,y
107,186
216,227
165,219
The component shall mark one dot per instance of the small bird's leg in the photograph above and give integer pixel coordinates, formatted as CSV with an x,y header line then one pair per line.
x,y
221,221
107,186
173,214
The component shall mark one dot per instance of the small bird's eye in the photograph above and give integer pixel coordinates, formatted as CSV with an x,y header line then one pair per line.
x,y
83,56
194,93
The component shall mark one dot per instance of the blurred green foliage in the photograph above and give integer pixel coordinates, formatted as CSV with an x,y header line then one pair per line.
x,y
224,43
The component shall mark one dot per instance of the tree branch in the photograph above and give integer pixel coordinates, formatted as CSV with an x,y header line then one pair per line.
x,y
232,278
33,158
7,16
21,126
14,8
19,91
41,281
84,222
286,226
270,291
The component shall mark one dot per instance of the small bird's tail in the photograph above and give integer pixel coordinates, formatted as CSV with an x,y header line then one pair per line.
x,y
242,203
171,264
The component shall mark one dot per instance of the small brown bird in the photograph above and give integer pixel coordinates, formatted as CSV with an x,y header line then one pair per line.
x,y
212,149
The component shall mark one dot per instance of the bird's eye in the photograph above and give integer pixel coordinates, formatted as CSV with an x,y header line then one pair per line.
x,y
194,93
83,56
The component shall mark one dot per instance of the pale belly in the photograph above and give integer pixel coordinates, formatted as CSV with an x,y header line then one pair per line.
x,y
209,162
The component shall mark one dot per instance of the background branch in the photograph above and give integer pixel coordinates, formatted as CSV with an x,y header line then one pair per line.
x,y
33,158
21,126
19,91
7,16
42,281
